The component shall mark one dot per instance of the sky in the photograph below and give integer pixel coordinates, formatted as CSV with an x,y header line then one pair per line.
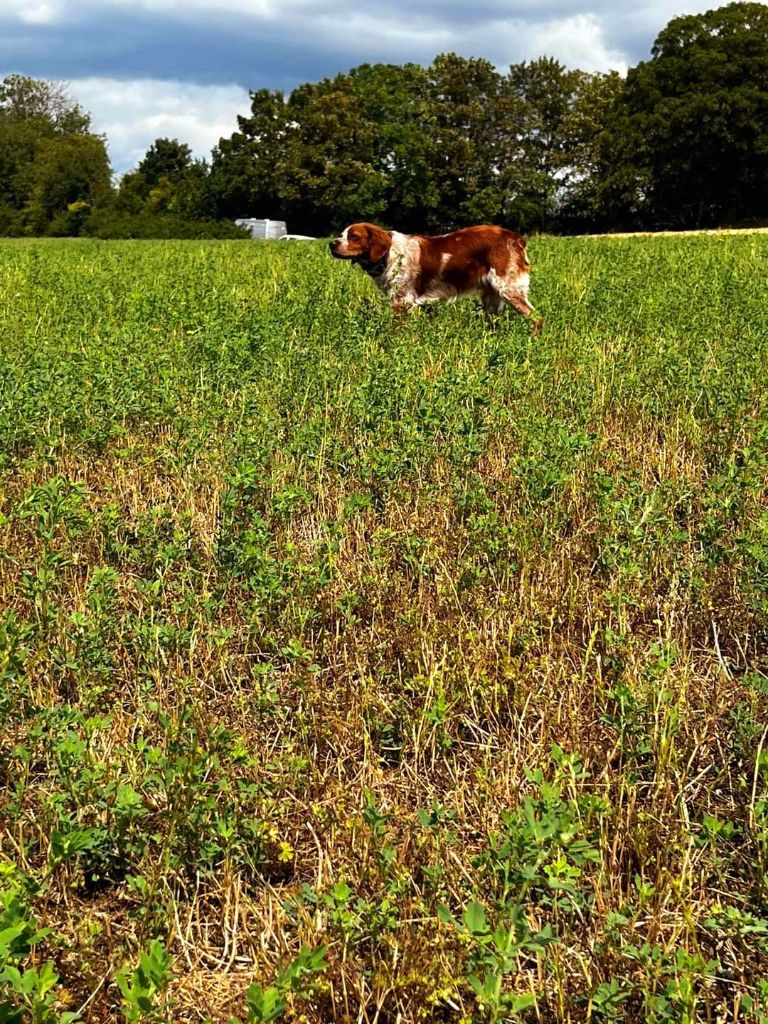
x,y
183,68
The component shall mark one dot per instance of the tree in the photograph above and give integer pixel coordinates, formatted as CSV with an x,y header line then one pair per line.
x,y
311,160
474,124
587,155
132,193
55,175
193,195
547,92
424,148
47,103
18,141
165,158
395,100
692,129
167,180
68,170
246,172
329,174
35,118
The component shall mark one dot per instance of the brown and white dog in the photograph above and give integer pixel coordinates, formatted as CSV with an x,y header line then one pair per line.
x,y
414,270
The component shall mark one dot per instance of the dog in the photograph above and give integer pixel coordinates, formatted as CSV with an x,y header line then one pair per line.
x,y
415,270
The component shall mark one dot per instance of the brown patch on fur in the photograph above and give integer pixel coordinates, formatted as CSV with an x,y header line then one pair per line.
x,y
464,258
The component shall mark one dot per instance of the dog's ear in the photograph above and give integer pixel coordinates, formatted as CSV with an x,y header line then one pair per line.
x,y
379,245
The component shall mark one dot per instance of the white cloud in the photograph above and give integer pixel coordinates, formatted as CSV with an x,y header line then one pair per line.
x,y
36,12
397,19
248,8
50,11
579,42
133,114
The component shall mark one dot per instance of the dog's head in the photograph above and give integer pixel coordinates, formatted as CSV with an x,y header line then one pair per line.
x,y
363,243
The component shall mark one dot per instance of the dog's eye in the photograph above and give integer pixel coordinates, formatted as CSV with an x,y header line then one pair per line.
x,y
352,236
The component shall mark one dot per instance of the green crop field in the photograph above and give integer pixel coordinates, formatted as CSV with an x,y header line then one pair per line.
x,y
376,671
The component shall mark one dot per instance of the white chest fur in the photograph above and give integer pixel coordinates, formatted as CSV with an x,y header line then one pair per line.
x,y
401,271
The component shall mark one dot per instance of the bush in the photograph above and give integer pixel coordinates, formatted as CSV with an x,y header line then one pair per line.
x,y
69,223
111,223
11,221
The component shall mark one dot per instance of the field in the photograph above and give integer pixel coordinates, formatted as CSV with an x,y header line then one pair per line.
x,y
356,670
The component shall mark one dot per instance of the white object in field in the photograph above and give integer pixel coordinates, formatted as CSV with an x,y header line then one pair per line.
x,y
297,238
263,228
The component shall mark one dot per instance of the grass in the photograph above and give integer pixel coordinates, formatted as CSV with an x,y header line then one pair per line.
x,y
362,671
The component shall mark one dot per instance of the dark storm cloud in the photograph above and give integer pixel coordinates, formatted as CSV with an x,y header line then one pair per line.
x,y
121,44
204,45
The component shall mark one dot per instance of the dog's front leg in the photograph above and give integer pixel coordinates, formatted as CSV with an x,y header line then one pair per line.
x,y
400,306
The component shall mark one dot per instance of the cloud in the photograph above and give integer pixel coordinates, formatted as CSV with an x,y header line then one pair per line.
x,y
254,42
579,42
133,114
39,13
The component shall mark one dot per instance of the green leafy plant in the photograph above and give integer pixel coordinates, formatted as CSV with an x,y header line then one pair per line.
x,y
142,989
298,978
495,948
27,992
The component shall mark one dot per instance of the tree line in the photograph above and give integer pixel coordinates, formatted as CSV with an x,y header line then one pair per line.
x,y
680,141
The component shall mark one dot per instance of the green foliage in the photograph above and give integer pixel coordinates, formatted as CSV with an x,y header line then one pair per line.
x,y
70,169
609,999
165,158
451,143
304,612
544,848
297,978
142,989
169,195
110,222
49,160
585,158
688,137
27,992
495,949
538,861
24,100
55,176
